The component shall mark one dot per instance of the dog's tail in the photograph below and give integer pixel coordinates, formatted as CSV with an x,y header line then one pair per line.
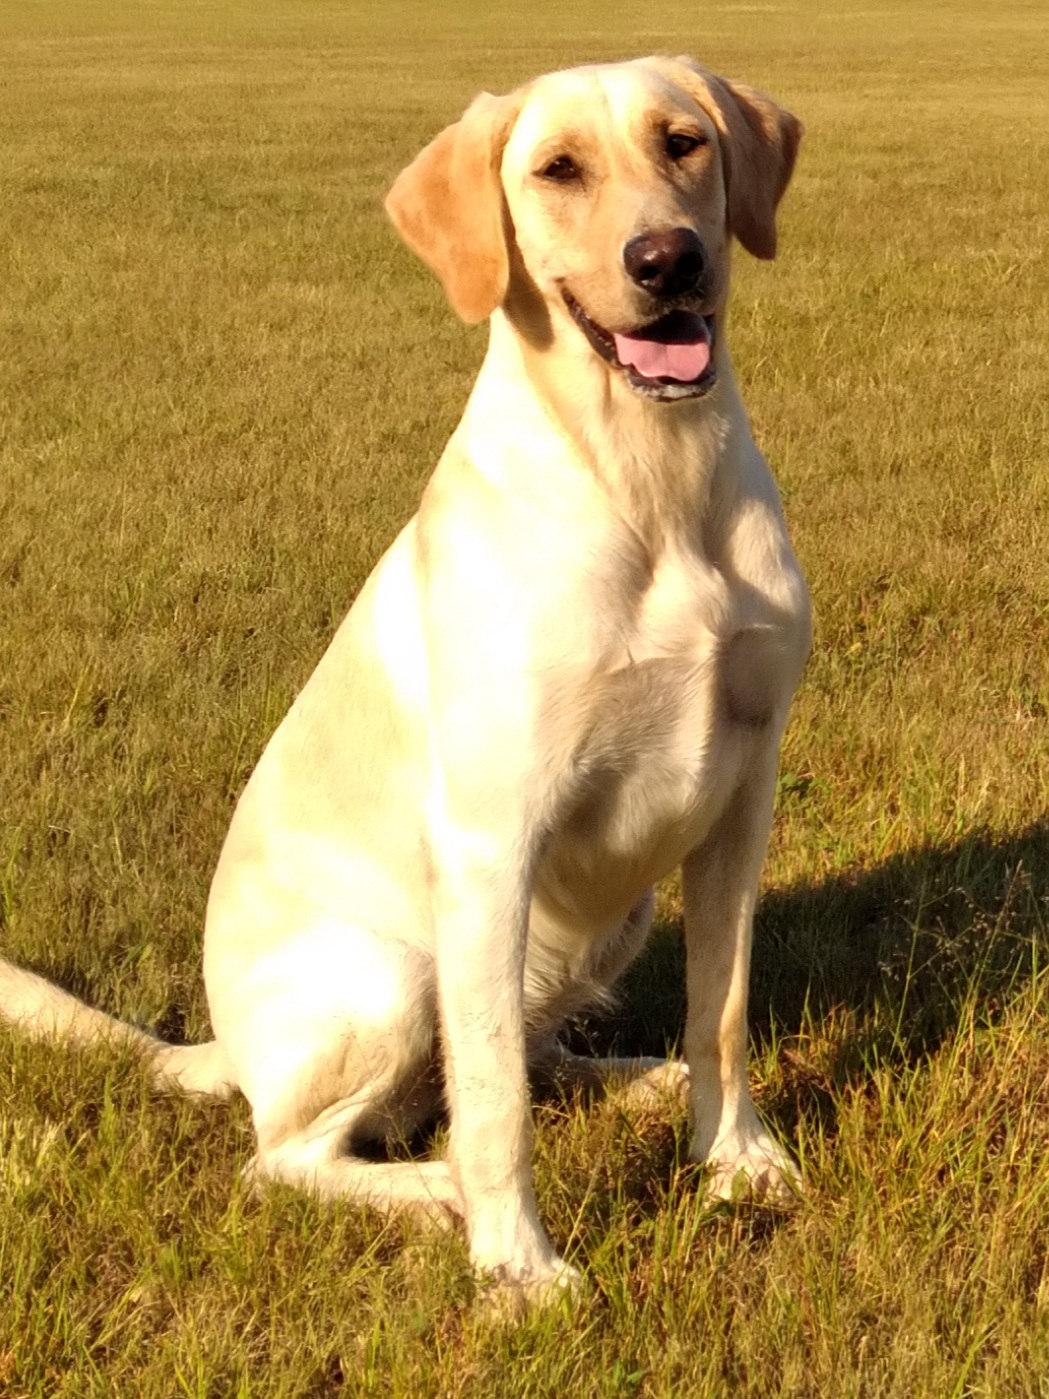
x,y
45,1011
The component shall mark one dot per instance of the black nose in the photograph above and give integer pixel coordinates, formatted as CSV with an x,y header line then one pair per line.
x,y
668,263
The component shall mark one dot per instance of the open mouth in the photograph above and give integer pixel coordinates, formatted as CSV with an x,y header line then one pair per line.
x,y
670,358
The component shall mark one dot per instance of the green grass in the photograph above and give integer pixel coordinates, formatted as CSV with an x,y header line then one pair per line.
x,y
222,386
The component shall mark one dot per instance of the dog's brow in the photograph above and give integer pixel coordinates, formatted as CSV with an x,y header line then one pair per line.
x,y
660,115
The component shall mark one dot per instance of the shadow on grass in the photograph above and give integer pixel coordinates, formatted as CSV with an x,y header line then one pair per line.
x,y
900,949
889,958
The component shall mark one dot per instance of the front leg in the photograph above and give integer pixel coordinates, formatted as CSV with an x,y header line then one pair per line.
x,y
481,911
500,665
720,881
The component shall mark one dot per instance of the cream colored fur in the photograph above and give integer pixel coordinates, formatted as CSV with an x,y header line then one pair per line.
x,y
568,676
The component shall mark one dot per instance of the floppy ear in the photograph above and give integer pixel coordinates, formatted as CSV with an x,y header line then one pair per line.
x,y
759,142
448,207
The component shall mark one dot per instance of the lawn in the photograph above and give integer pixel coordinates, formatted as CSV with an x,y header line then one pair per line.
x,y
222,385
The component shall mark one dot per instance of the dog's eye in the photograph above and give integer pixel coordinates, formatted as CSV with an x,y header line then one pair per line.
x,y
563,170
682,143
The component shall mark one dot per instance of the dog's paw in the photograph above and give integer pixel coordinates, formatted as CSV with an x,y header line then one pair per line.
x,y
664,1084
439,1209
509,1293
759,1170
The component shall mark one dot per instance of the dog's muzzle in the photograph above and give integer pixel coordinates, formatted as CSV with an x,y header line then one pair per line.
x,y
668,359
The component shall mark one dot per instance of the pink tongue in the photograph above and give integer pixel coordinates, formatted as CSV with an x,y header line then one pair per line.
x,y
658,359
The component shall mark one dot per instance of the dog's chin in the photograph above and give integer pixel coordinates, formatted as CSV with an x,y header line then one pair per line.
x,y
688,332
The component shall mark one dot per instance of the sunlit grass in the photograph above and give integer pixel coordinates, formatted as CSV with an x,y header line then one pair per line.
x,y
222,385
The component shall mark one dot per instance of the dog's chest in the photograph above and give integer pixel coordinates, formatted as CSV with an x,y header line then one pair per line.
x,y
670,720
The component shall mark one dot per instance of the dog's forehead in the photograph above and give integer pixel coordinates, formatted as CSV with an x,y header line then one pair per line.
x,y
604,102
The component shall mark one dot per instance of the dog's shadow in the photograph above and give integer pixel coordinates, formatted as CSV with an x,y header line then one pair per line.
x,y
894,954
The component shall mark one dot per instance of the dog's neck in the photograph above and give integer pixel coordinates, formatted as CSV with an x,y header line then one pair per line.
x,y
656,461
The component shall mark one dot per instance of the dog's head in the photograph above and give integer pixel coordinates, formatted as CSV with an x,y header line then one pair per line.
x,y
600,202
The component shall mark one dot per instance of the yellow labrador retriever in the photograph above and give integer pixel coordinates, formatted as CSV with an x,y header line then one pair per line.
x,y
568,675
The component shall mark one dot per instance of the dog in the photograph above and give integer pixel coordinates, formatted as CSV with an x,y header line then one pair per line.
x,y
568,676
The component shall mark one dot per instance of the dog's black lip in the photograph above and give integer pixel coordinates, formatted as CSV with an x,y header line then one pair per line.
x,y
663,389
599,338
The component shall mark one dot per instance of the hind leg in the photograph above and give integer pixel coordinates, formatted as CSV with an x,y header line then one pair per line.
x,y
640,1080
334,1045
311,1133
319,1158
